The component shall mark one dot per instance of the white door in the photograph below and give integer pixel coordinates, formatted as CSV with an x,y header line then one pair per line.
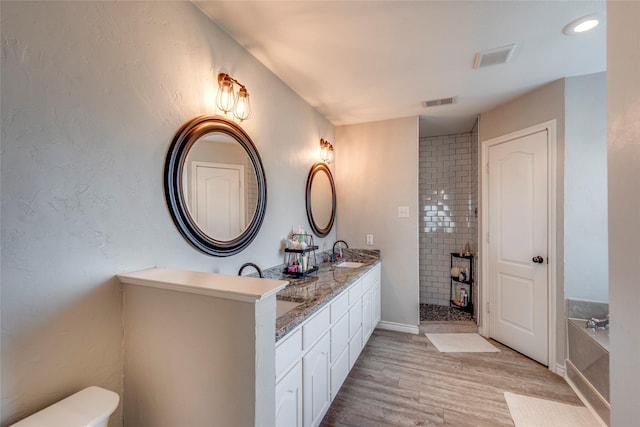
x,y
517,243
219,199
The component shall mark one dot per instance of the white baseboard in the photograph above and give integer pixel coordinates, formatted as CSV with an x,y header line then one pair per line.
x,y
398,327
560,370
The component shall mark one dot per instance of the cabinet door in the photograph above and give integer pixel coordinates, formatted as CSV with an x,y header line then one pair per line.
x,y
339,372
355,346
376,303
289,398
375,299
315,382
355,318
339,337
367,319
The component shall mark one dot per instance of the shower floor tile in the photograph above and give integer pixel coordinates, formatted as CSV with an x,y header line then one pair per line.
x,y
438,313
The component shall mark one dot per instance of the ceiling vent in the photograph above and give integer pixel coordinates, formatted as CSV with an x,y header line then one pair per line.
x,y
437,102
499,55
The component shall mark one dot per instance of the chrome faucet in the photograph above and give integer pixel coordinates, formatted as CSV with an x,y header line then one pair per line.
x,y
594,323
250,264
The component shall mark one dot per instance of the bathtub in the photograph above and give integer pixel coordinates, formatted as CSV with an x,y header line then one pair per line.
x,y
588,365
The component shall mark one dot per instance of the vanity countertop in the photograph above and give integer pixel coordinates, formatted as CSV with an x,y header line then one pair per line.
x,y
318,289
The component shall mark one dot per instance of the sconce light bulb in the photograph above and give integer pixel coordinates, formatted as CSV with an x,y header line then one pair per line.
x,y
243,106
326,151
226,98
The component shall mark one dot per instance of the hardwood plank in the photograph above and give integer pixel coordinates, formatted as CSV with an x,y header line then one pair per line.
x,y
402,380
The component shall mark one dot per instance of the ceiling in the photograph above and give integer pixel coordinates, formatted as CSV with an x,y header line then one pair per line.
x,y
365,61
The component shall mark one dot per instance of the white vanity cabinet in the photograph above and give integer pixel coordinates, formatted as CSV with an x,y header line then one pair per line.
x,y
289,398
320,352
370,303
289,380
367,315
376,308
316,394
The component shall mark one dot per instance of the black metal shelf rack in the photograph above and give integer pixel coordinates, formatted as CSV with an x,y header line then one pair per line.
x,y
462,283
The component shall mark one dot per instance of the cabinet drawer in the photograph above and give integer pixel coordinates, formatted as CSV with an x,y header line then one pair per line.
x,y
314,328
339,337
339,372
288,351
339,306
355,345
355,292
355,318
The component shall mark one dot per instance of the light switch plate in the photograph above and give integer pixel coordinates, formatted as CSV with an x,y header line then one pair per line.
x,y
370,239
403,211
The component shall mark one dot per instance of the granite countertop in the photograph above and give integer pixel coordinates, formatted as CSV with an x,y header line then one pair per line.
x,y
318,289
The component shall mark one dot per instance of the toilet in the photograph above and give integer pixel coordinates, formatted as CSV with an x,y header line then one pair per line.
x,y
90,407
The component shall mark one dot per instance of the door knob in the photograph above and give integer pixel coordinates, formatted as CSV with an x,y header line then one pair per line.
x,y
537,259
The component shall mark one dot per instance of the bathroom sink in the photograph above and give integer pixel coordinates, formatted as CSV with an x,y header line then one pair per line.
x,y
283,307
350,264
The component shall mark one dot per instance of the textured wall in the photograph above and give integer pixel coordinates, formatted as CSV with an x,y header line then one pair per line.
x,y
623,109
376,172
92,94
448,202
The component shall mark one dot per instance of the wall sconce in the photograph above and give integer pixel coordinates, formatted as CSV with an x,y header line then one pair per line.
x,y
326,151
228,100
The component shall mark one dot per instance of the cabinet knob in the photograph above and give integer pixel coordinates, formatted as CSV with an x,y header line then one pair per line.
x,y
537,259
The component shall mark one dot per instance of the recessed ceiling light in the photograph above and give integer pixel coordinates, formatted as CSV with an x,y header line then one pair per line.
x,y
581,25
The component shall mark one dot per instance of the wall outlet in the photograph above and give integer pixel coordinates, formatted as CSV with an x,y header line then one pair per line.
x,y
403,211
370,239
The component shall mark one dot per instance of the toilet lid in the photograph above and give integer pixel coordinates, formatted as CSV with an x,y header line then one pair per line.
x,y
82,409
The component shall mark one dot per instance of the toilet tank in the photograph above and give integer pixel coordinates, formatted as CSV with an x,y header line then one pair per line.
x,y
90,407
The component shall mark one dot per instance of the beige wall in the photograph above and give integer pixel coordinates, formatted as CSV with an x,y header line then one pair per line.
x,y
376,172
92,95
543,104
210,351
623,88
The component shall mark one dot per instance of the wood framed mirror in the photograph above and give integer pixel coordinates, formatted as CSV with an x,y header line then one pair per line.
x,y
215,186
321,199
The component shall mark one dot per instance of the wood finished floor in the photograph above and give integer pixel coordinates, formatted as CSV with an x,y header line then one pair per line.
x,y
402,380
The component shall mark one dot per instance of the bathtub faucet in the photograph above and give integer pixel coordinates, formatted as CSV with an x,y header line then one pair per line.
x,y
594,323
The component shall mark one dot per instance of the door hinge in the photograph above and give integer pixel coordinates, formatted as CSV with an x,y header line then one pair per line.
x,y
488,238
487,168
488,307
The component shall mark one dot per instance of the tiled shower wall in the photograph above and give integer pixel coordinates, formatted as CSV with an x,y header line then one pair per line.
x,y
448,186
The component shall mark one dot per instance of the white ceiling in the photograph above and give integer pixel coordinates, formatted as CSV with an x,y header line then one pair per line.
x,y
364,61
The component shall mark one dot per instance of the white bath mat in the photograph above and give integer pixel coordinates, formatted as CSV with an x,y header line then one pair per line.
x,y
461,343
528,411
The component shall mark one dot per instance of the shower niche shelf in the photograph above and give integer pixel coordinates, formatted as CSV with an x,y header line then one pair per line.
x,y
463,284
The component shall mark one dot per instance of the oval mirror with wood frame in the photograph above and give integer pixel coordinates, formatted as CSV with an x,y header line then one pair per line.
x,y
215,186
321,199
